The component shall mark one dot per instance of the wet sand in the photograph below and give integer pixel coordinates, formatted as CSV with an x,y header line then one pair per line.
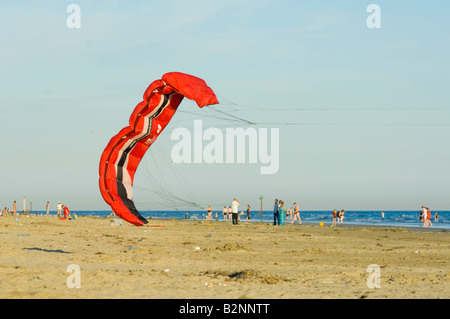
x,y
214,259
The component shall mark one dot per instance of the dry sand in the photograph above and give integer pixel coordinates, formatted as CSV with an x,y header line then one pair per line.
x,y
214,259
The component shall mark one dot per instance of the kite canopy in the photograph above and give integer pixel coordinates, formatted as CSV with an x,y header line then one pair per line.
x,y
125,150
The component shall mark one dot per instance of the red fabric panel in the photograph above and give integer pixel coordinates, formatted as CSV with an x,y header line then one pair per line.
x,y
122,155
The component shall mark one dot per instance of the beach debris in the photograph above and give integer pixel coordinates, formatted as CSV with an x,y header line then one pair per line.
x,y
248,275
116,222
166,270
24,235
232,247
197,248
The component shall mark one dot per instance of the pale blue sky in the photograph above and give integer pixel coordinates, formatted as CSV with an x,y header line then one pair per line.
x,y
66,92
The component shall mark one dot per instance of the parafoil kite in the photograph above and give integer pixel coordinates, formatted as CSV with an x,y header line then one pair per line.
x,y
125,150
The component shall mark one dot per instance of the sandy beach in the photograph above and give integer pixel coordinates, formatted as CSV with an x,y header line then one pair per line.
x,y
214,259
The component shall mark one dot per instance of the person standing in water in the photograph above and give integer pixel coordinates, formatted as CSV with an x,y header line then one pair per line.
x,y
424,216
209,211
296,214
334,216
225,213
429,217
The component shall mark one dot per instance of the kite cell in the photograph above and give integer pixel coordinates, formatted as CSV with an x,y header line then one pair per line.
x,y
122,155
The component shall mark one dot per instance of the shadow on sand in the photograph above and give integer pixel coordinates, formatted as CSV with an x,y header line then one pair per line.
x,y
49,250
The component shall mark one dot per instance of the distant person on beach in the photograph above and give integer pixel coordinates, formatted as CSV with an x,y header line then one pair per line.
x,y
281,214
14,208
428,217
424,216
275,212
248,212
209,211
382,214
334,216
58,209
66,212
292,212
230,212
296,214
234,210
340,216
47,208
436,217
225,213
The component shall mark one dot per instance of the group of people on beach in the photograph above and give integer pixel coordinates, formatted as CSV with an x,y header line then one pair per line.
x,y
425,216
280,213
61,211
337,217
231,213
9,211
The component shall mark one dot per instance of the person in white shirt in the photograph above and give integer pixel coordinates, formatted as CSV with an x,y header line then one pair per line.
x,y
58,209
234,209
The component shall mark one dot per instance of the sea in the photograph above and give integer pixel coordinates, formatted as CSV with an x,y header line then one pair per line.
x,y
361,218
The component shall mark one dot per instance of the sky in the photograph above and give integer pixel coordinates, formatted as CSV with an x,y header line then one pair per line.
x,y
363,114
